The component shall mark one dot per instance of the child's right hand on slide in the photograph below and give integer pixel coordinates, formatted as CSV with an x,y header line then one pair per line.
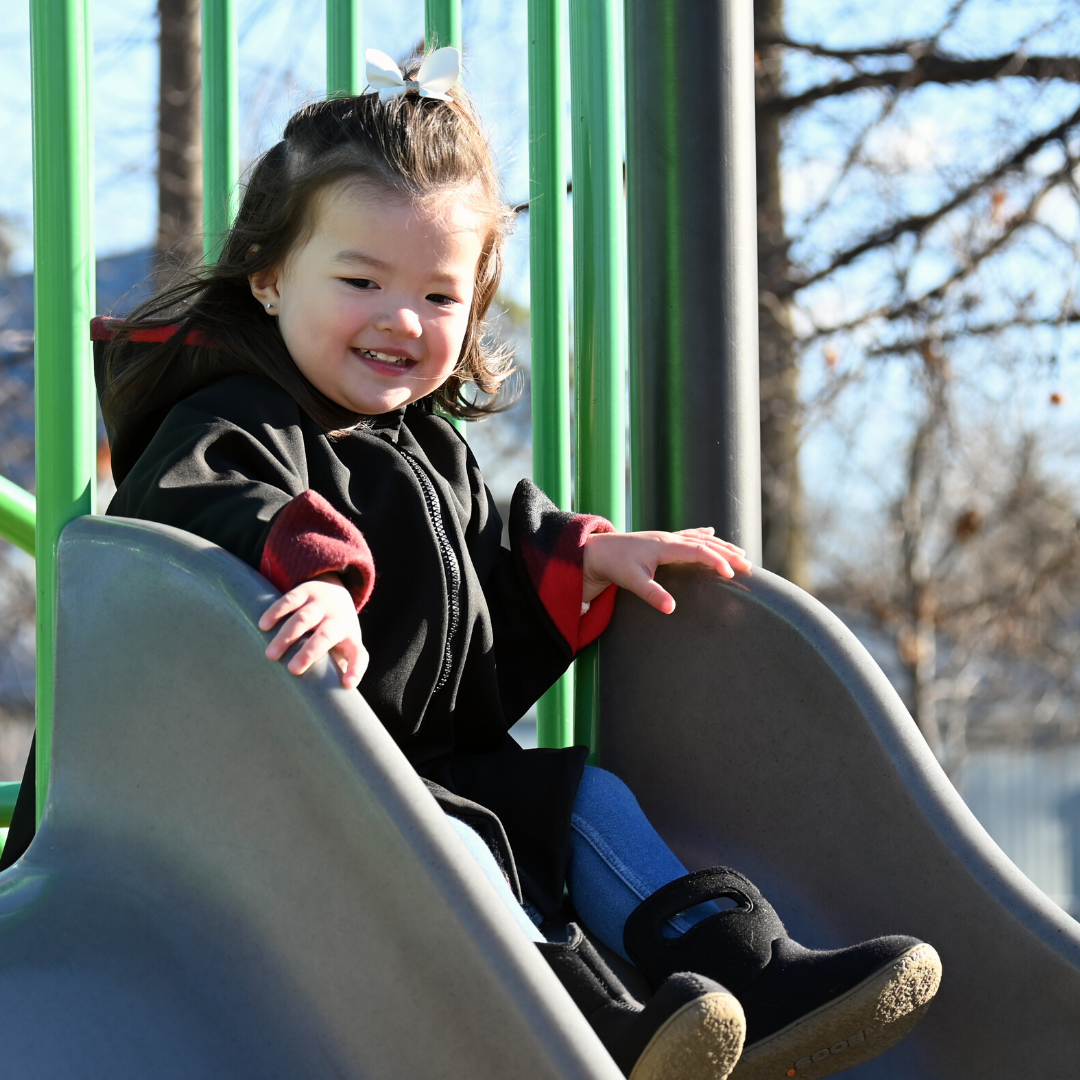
x,y
629,560
323,608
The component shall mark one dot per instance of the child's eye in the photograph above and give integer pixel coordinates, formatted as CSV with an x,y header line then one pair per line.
x,y
441,299
360,283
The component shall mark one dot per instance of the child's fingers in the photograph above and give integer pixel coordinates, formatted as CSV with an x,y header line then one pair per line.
x,y
711,532
346,652
352,659
734,560
325,637
686,550
655,595
641,583
722,556
725,546
282,606
307,618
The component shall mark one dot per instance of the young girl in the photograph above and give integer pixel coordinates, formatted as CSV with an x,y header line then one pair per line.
x,y
288,404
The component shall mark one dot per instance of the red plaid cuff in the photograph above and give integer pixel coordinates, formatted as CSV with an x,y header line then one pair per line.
x,y
557,575
308,538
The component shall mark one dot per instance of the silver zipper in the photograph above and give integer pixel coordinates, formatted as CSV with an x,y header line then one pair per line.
x,y
449,558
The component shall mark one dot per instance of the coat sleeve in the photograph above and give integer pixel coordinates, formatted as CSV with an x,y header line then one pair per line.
x,y
534,597
548,545
231,468
308,537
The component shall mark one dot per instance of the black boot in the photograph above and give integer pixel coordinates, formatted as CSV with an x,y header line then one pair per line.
x,y
808,1013
692,1029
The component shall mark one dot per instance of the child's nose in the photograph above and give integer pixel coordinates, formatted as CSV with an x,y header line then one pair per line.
x,y
402,321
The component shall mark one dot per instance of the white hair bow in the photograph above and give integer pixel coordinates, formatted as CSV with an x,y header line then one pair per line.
x,y
436,75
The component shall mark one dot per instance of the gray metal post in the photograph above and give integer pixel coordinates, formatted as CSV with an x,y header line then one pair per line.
x,y
693,267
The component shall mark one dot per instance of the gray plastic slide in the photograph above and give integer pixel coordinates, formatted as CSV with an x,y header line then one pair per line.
x,y
758,733
238,873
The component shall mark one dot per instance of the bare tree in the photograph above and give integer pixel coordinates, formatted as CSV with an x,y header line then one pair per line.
x,y
846,276
783,538
976,580
179,238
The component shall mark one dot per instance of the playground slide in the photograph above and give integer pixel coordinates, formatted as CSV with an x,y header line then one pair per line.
x,y
760,734
238,874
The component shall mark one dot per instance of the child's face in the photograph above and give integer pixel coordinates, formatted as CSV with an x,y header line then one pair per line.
x,y
374,305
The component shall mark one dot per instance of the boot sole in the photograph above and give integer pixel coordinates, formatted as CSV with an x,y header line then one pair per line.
x,y
702,1041
852,1028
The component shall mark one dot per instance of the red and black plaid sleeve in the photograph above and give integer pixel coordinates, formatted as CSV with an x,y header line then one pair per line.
x,y
550,545
308,538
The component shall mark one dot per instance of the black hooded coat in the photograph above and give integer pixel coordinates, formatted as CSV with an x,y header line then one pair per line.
x,y
463,634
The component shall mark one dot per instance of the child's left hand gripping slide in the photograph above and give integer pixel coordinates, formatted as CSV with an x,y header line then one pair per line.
x,y
325,610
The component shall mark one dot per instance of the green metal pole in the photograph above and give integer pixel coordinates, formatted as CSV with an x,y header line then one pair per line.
x,y
660,210
442,24
549,303
221,123
599,291
18,513
344,69
63,304
9,792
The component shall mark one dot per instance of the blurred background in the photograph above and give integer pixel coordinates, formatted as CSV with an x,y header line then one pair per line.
x,y
918,232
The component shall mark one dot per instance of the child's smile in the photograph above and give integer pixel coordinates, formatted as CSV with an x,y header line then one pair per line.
x,y
375,304
382,359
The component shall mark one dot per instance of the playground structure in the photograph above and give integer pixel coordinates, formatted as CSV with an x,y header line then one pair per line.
x,y
237,871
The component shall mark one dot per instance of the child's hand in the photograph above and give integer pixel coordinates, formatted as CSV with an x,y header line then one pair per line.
x,y
324,608
629,560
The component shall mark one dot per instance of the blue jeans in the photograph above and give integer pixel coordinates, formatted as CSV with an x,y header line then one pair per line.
x,y
617,859
482,854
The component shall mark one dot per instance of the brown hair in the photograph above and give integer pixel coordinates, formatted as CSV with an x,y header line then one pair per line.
x,y
412,145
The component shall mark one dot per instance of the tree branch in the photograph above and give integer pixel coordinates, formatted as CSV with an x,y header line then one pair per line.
x,y
853,155
919,223
913,306
898,48
920,344
928,67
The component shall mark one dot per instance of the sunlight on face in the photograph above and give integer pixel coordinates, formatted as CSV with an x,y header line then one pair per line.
x,y
374,304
